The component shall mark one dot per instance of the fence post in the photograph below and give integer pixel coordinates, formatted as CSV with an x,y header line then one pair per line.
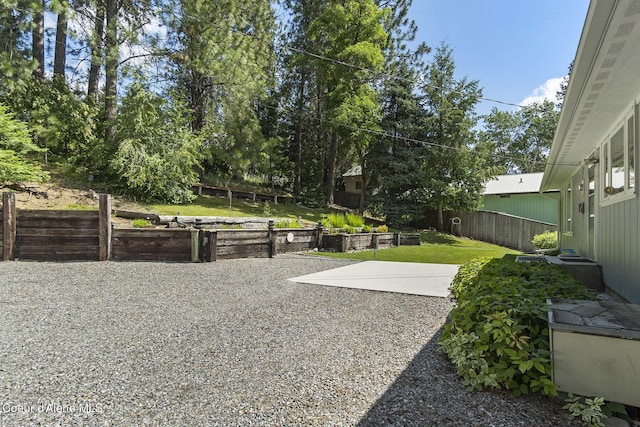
x,y
8,225
195,245
211,246
319,232
104,225
375,242
396,238
273,251
345,241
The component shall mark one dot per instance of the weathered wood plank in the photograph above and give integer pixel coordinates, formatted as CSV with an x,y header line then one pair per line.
x,y
88,224
160,245
104,227
58,214
8,225
281,240
208,244
59,257
295,247
151,233
240,251
55,233
151,256
241,234
58,241
135,215
243,242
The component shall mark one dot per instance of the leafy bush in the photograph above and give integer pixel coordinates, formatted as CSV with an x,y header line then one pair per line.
x,y
349,229
546,240
266,209
589,412
382,229
153,164
497,335
15,148
354,220
367,229
334,221
140,223
288,223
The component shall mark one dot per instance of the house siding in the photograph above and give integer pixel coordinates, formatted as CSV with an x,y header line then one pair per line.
x,y
575,238
618,248
542,208
618,234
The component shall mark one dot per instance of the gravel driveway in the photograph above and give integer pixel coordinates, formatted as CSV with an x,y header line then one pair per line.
x,y
229,343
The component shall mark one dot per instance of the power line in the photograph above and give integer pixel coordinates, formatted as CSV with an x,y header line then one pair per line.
x,y
404,138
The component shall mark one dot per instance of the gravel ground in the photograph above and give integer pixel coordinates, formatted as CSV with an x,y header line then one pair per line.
x,y
229,343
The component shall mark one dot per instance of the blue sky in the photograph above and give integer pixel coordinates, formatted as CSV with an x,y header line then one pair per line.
x,y
518,49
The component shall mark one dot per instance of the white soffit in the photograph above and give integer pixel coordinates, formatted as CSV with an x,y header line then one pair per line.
x,y
605,82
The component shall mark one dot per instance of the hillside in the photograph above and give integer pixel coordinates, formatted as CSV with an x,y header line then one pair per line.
x,y
55,196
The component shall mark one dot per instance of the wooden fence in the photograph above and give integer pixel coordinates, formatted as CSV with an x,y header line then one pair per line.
x,y
48,235
502,229
206,190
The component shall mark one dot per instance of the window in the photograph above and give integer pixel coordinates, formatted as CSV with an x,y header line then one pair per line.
x,y
358,185
568,210
618,162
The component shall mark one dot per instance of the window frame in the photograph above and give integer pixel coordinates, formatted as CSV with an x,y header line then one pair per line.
x,y
606,165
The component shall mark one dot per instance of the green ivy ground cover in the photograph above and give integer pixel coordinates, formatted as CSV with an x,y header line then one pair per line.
x,y
497,335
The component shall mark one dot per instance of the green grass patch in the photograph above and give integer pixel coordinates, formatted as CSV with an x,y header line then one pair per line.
x,y
435,248
219,206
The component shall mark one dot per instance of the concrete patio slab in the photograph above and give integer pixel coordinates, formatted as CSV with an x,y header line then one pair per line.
x,y
402,277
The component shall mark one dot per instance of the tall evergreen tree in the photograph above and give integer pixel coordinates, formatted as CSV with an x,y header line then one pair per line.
x,y
396,156
455,166
222,58
349,32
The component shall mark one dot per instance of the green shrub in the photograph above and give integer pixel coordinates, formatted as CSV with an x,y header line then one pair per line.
x,y
367,229
140,223
382,229
589,411
288,223
349,229
354,220
497,335
266,209
334,221
546,240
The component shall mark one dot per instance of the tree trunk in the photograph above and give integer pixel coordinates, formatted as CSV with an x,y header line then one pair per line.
x,y
363,191
332,157
60,58
440,219
111,71
297,178
96,52
197,94
38,40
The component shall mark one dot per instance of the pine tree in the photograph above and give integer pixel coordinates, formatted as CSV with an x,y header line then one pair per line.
x,y
15,148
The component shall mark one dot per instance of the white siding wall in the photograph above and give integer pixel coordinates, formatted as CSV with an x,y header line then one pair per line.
x,y
618,251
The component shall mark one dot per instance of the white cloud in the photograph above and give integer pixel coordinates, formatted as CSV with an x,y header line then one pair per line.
x,y
545,91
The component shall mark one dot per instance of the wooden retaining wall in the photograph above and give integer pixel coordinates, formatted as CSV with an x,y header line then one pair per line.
x,y
357,242
48,235
502,229
151,245
57,235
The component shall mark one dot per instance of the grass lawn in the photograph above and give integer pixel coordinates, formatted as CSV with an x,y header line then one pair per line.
x,y
219,206
435,248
